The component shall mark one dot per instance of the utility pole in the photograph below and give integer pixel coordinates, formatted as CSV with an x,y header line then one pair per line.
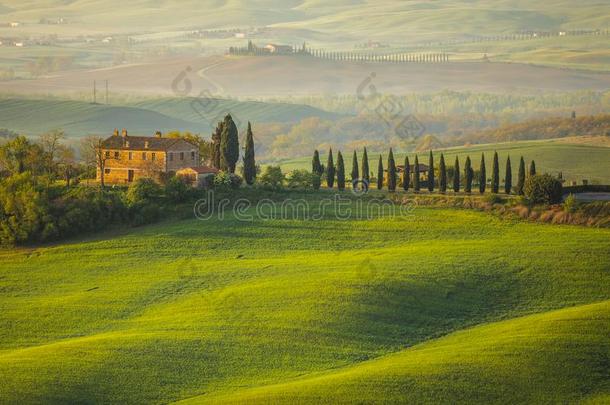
x,y
106,92
94,92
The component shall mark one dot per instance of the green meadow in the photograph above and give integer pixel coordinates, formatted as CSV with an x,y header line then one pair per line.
x,y
575,161
438,305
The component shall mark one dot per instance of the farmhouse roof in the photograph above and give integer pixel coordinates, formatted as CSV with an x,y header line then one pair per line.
x,y
130,142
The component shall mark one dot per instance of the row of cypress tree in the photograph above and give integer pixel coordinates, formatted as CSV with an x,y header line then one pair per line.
x,y
225,149
332,171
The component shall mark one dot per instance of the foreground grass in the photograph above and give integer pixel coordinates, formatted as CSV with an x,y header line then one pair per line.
x,y
288,309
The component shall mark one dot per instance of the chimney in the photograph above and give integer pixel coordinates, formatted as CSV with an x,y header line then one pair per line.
x,y
124,133
158,134
146,144
116,132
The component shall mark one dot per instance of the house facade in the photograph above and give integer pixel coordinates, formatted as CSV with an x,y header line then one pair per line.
x,y
127,158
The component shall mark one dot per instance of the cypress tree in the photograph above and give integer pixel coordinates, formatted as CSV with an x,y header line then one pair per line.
x,y
249,161
340,172
533,168
495,175
521,177
365,167
355,174
508,177
431,173
468,174
416,174
442,181
482,175
216,138
229,145
391,172
456,175
380,174
330,169
406,174
316,166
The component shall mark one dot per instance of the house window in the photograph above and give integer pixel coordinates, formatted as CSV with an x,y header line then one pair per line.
x,y
116,155
171,157
106,171
130,155
153,156
107,154
193,155
143,155
181,155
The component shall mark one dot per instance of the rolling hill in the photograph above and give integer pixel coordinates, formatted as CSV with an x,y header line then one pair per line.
x,y
435,306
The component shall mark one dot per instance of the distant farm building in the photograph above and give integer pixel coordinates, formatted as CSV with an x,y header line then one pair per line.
x,y
128,158
197,176
279,49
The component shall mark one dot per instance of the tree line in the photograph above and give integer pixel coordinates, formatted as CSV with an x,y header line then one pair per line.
x,y
439,179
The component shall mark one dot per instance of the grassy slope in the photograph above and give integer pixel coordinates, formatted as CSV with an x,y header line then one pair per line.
x,y
576,161
174,311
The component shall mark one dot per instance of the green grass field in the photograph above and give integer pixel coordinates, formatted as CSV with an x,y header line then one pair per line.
x,y
575,161
438,306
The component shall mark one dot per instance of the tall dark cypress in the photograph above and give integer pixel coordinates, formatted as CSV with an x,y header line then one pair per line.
x,y
521,177
249,161
355,174
316,166
330,169
431,173
442,180
533,168
380,174
495,175
406,175
216,138
416,185
508,177
468,174
482,175
365,167
391,171
456,175
340,172
229,145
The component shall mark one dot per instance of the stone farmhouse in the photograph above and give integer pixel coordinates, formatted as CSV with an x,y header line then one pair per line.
x,y
128,158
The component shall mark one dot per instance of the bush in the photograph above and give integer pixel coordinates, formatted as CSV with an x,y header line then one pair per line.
x,y
236,181
316,181
569,204
224,181
142,191
493,199
177,190
543,189
300,179
272,177
144,213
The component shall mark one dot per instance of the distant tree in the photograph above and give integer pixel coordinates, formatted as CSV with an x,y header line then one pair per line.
x,y
229,145
521,177
365,167
93,155
340,172
416,185
442,181
355,174
431,172
272,177
468,174
391,172
532,168
316,166
50,143
456,175
482,175
249,161
543,189
495,175
406,175
380,174
508,177
330,169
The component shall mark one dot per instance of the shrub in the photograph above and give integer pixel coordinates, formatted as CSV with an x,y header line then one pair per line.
x,y
143,190
300,179
493,199
144,213
316,181
543,189
177,190
569,204
272,177
236,181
